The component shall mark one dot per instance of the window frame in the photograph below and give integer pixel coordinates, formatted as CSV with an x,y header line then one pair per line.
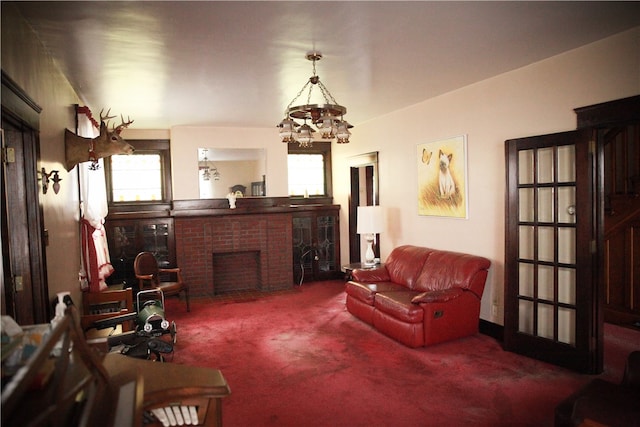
x,y
318,147
145,146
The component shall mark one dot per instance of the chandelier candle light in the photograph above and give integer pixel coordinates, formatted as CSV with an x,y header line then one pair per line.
x,y
328,117
370,223
207,171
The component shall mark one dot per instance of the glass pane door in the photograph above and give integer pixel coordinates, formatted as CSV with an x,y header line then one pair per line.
x,y
550,283
546,241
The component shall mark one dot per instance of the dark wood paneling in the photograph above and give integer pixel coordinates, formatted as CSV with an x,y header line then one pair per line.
x,y
612,113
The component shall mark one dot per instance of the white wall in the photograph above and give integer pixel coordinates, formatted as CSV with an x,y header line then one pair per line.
x,y
131,134
185,141
26,62
534,100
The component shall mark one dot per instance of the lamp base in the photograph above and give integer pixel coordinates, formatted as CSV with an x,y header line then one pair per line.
x,y
369,256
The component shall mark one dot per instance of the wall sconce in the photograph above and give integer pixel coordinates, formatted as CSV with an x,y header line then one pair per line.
x,y
47,177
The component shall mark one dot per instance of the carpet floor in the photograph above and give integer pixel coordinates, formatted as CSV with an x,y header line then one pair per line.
x,y
298,358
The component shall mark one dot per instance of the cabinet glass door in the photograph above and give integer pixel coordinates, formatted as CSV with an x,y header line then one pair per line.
x,y
302,248
326,244
156,240
128,237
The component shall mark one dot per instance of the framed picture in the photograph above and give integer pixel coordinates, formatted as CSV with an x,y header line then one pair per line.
x,y
442,178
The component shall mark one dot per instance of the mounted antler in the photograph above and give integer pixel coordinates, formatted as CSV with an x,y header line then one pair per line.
x,y
105,118
108,143
122,126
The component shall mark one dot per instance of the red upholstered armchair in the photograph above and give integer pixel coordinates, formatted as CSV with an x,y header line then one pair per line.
x,y
420,296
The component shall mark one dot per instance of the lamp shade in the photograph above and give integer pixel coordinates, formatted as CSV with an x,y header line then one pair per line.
x,y
370,220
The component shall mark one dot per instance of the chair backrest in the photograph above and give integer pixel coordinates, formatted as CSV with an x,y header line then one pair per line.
x,y
102,305
146,264
75,371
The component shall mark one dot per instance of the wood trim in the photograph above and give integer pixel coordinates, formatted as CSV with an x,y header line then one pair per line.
x,y
319,147
161,146
618,112
354,201
250,203
492,330
17,102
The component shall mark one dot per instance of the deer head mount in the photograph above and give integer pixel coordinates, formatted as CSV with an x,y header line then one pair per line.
x,y
79,149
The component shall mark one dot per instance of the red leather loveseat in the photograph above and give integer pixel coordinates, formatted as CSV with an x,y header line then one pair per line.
x,y
420,296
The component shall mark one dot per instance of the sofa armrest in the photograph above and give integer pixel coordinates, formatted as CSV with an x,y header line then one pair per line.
x,y
379,274
438,296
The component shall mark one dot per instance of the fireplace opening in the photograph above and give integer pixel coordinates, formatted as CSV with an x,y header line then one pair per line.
x,y
236,271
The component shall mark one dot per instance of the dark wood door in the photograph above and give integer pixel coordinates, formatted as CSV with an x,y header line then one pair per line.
x,y
363,173
621,282
551,267
25,292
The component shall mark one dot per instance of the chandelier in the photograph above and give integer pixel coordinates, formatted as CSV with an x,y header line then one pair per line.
x,y
328,118
209,172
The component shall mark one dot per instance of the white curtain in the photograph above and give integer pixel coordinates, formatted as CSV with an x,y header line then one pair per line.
x,y
96,263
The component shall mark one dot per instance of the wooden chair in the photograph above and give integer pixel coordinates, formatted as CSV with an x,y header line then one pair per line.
x,y
81,387
103,305
148,274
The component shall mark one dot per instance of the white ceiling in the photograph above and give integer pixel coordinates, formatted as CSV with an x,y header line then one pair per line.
x,y
240,63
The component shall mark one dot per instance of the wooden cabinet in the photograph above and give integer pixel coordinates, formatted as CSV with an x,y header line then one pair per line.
x,y
316,244
128,237
312,234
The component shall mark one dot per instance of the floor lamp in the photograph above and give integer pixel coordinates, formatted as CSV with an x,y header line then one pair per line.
x,y
370,223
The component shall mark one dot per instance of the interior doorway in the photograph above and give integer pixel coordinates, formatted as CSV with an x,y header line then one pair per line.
x,y
565,269
24,285
363,172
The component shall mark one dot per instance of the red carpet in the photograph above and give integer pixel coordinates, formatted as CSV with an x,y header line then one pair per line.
x,y
300,359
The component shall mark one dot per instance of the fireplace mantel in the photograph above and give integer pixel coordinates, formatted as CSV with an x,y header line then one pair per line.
x,y
247,206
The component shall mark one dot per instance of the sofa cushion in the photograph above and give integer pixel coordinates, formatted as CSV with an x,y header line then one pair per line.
x,y
445,270
405,263
437,296
360,309
398,304
409,334
365,292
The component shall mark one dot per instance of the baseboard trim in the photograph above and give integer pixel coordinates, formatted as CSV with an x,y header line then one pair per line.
x,y
492,329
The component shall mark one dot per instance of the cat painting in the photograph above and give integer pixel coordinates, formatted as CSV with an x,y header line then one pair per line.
x,y
446,185
442,181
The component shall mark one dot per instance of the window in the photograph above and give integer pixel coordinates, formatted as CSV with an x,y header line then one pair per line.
x,y
142,177
309,170
136,178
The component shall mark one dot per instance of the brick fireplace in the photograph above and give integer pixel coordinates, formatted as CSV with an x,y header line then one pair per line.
x,y
236,271
235,251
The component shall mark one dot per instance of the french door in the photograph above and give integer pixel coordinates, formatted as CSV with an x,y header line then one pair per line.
x,y
551,267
